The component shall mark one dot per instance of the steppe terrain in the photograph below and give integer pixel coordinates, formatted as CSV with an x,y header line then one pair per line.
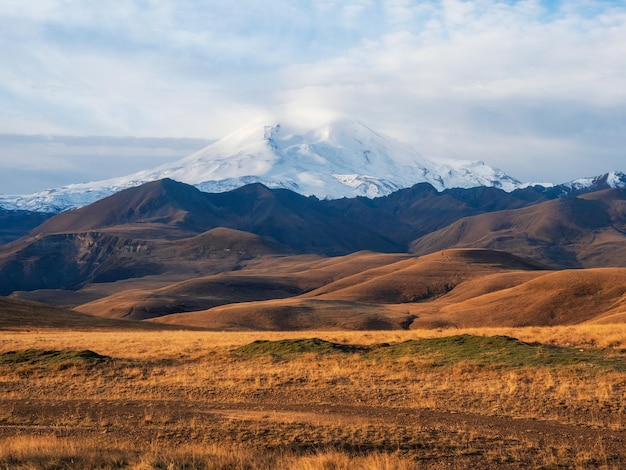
x,y
112,397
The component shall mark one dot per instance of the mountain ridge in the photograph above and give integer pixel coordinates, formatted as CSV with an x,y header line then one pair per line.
x,y
144,231
590,229
257,258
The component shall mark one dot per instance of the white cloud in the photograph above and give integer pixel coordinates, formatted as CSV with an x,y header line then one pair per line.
x,y
32,163
527,87
161,68
488,80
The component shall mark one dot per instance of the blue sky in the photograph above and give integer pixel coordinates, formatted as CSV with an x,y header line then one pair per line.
x,y
536,88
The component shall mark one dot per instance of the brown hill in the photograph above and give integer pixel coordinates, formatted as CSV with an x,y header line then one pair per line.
x,y
68,261
371,296
18,314
73,260
532,298
192,295
144,253
454,288
178,210
164,202
226,241
266,278
305,224
294,314
586,231
556,298
131,234
424,278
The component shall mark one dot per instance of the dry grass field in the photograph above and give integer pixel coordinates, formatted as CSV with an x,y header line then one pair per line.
x,y
538,397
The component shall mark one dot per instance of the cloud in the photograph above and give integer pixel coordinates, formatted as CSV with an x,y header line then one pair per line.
x,y
157,67
517,84
534,87
31,163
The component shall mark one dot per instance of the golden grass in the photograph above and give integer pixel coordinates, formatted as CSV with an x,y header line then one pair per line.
x,y
26,452
176,399
145,345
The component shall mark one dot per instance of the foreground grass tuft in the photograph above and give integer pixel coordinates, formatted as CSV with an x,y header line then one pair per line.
x,y
52,453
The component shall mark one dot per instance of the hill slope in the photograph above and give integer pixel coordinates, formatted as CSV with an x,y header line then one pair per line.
x,y
157,230
368,298
131,233
458,288
586,231
558,298
19,314
263,279
164,202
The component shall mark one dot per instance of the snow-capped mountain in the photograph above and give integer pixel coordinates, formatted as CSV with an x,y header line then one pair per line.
x,y
342,159
613,179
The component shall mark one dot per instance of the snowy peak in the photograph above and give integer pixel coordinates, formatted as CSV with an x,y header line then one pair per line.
x,y
344,158
348,134
612,179
269,132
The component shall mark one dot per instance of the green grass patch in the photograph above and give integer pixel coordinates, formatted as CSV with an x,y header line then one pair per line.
x,y
291,347
499,351
51,358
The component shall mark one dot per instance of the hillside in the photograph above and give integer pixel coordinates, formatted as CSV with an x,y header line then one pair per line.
x,y
559,298
18,314
264,278
422,279
585,231
156,230
453,288
260,258
71,261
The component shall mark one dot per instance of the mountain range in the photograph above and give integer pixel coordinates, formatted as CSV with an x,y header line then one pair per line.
x,y
262,258
256,257
344,158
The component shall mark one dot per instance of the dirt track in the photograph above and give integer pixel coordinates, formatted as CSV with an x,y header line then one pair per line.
x,y
436,439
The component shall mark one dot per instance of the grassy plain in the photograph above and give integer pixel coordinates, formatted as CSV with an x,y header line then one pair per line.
x,y
478,398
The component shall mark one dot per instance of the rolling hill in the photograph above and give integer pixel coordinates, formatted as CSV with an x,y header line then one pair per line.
x,y
454,288
585,231
16,314
558,298
263,279
260,258
148,230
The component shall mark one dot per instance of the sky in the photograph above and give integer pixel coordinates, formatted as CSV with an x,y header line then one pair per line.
x,y
536,88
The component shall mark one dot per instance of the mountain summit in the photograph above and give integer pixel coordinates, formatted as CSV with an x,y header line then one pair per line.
x,y
342,159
